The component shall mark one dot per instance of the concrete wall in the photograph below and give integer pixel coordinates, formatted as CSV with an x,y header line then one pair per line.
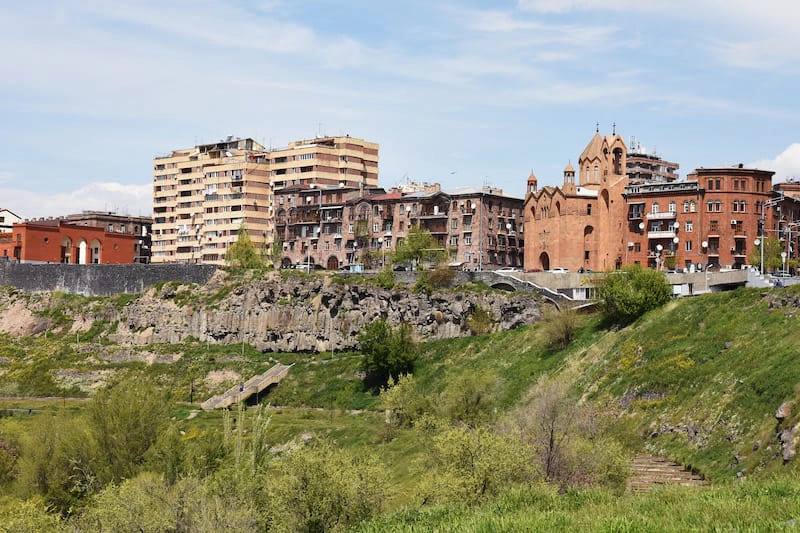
x,y
98,280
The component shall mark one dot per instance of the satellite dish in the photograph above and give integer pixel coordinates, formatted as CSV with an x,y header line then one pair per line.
x,y
704,244
659,247
474,206
675,240
228,154
641,225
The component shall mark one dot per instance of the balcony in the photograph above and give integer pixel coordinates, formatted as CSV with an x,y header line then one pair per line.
x,y
667,215
665,234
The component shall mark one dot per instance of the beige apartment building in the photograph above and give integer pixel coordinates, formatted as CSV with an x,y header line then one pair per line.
x,y
202,195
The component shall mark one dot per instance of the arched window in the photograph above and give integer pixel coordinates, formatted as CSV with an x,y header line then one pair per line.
x,y
686,206
691,206
596,173
672,206
654,208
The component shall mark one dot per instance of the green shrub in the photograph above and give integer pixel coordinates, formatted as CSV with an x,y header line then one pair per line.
x,y
559,328
480,321
625,295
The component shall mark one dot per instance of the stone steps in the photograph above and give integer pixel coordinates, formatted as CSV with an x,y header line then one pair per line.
x,y
650,471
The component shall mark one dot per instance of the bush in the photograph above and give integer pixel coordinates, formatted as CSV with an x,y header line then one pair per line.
x,y
625,295
480,321
387,352
559,328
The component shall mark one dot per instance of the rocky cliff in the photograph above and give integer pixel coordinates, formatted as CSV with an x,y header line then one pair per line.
x,y
277,314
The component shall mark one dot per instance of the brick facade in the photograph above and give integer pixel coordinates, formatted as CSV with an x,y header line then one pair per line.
x,y
59,242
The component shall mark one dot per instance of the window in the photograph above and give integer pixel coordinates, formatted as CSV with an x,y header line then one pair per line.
x,y
692,206
349,228
688,246
718,206
402,208
453,240
637,247
586,255
688,226
742,205
654,208
306,157
596,172
468,239
718,183
453,223
686,206
588,209
376,227
710,185
710,206
467,256
672,206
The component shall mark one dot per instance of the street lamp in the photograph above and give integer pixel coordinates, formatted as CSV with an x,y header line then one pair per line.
x,y
383,252
760,242
783,260
659,248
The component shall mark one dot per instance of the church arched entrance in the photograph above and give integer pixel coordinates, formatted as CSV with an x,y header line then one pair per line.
x,y
544,261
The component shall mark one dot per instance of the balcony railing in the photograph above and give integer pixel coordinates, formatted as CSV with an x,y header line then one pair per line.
x,y
662,234
667,215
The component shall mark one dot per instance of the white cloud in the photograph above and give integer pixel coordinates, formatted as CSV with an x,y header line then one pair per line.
x,y
785,165
99,196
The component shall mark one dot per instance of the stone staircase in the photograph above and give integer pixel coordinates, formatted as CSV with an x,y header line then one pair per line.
x,y
254,385
650,472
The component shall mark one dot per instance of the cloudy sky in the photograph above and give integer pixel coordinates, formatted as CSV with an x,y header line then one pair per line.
x,y
459,92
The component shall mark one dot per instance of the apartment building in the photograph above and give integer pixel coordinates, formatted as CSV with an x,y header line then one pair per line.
x,y
203,195
337,227
644,166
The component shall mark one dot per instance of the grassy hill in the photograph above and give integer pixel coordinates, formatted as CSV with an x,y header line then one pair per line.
x,y
698,381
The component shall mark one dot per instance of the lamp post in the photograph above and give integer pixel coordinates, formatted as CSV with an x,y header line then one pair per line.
x,y
383,253
760,242
659,249
783,260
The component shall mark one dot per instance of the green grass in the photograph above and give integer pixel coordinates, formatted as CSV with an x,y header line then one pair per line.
x,y
767,505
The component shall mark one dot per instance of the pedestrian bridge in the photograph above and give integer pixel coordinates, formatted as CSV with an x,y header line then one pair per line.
x,y
241,392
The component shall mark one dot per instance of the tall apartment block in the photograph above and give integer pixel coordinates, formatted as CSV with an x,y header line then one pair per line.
x,y
203,195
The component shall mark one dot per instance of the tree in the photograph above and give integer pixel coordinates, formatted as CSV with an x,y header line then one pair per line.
x,y
418,246
388,352
625,295
243,253
772,254
276,252
126,420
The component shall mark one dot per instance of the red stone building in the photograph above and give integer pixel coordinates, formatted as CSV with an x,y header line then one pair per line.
x,y
710,219
55,241
580,225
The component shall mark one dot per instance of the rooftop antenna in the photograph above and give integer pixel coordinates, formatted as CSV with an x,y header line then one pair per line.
x,y
597,127
613,128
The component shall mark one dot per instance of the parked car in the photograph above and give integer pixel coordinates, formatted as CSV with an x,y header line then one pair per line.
x,y
558,270
501,270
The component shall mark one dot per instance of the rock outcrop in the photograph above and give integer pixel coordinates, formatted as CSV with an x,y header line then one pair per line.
x,y
286,315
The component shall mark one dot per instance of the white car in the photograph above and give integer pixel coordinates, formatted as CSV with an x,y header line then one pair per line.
x,y
503,270
559,270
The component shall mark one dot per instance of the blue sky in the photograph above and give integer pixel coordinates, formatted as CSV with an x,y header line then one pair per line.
x,y
463,93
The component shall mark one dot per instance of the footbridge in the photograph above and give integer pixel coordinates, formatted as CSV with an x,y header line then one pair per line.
x,y
511,281
242,392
